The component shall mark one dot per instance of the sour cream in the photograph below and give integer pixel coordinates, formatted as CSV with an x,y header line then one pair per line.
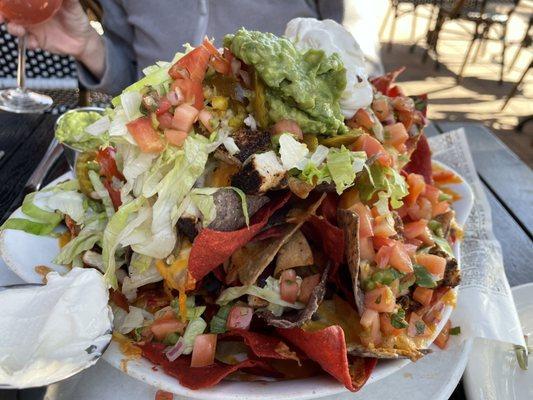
x,y
48,333
331,37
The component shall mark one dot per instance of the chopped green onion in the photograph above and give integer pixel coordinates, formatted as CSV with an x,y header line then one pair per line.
x,y
423,277
456,330
218,322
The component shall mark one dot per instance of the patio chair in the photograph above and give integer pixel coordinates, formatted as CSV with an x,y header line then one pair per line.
x,y
395,12
524,44
485,14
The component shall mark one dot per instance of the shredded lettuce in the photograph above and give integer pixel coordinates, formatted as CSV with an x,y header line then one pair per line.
x,y
270,293
121,224
194,328
218,322
71,203
157,75
140,262
102,193
378,178
171,191
244,203
203,200
343,165
85,240
292,153
137,278
134,319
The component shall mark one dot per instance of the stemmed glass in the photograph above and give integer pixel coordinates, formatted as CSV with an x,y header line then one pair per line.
x,y
25,12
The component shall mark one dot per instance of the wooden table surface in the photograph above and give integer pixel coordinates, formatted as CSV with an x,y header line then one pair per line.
x,y
507,181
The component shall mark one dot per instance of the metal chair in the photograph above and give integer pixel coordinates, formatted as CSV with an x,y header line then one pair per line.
x,y
395,12
485,14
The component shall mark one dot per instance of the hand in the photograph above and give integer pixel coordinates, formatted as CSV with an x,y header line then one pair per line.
x,y
67,32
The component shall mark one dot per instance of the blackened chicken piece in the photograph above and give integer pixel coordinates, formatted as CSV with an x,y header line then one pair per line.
x,y
260,173
250,142
228,204
452,273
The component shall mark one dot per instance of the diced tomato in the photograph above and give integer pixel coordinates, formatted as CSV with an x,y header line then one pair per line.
x,y
381,108
417,185
192,91
383,256
382,241
396,134
164,326
205,119
432,193
372,336
442,339
386,326
195,62
365,220
164,106
400,260
288,126
434,264
113,193
422,209
175,137
380,299
402,103
383,227
407,118
239,317
165,120
371,146
184,117
362,118
412,230
369,317
108,166
423,295
219,63
366,249
417,327
203,352
440,208
307,286
288,286
162,395
145,135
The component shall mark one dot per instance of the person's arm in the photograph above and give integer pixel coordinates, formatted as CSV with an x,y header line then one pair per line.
x,y
119,65
67,32
330,9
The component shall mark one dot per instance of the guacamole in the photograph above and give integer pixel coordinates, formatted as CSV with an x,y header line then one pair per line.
x,y
71,130
305,87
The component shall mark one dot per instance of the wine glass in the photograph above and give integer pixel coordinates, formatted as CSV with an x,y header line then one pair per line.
x,y
25,12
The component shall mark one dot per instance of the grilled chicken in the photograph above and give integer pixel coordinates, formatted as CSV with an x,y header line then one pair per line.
x,y
260,173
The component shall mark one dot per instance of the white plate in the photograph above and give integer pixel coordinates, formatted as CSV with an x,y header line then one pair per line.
x,y
493,371
22,252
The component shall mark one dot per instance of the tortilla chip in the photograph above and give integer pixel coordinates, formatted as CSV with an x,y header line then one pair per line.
x,y
387,354
212,248
328,348
349,222
299,317
263,346
256,256
326,236
295,253
199,378
421,160
384,84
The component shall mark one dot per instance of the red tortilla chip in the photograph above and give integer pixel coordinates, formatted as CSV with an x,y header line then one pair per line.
x,y
328,236
212,248
327,347
199,378
421,160
384,83
264,346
